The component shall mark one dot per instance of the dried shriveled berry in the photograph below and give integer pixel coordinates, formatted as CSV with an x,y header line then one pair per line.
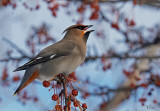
x,y
46,83
55,97
74,92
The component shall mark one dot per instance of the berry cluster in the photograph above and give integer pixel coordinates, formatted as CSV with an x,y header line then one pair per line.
x,y
62,96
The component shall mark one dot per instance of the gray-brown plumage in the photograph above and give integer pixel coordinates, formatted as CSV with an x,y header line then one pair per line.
x,y
62,57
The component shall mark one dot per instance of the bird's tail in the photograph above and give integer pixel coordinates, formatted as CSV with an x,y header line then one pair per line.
x,y
26,80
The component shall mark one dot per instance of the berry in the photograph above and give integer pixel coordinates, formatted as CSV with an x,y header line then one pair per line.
x,y
142,99
75,104
115,25
132,23
35,99
84,106
65,108
46,83
55,97
58,108
74,92
37,7
155,101
16,78
150,93
144,85
69,103
94,15
152,89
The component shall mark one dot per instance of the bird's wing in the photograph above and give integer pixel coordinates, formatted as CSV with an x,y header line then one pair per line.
x,y
51,52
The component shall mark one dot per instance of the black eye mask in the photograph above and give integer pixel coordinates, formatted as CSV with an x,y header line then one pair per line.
x,y
81,27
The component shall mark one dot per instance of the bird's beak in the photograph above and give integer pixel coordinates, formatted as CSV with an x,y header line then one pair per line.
x,y
90,31
88,26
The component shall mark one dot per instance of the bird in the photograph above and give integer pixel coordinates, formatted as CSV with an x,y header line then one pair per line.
x,y
62,57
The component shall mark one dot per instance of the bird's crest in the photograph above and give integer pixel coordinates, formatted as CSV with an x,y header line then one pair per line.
x,y
71,27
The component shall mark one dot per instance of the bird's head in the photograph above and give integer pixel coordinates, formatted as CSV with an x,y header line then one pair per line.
x,y
78,30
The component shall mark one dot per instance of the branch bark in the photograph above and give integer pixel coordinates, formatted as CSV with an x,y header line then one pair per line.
x,y
151,3
65,92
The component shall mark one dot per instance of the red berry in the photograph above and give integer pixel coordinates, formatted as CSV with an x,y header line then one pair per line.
x,y
35,99
37,7
74,92
16,78
134,2
65,108
84,106
155,101
75,104
144,85
55,97
94,15
132,23
5,2
158,83
46,83
142,99
69,103
115,25
58,107
14,5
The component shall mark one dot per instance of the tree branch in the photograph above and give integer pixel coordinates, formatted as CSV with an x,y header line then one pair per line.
x,y
15,58
15,46
122,57
151,3
63,79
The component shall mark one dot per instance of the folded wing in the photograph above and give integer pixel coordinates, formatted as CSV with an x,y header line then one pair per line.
x,y
51,52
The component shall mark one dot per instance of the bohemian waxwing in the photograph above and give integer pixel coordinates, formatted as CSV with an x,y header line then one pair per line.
x,y
62,57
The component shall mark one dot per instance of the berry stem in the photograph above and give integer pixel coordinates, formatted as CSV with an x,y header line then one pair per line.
x,y
65,93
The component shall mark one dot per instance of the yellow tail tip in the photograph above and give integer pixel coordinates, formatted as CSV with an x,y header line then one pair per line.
x,y
14,94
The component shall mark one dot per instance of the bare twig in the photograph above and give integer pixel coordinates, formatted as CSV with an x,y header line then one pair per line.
x,y
15,46
15,58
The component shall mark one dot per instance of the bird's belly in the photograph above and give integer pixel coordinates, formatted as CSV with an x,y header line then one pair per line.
x,y
64,64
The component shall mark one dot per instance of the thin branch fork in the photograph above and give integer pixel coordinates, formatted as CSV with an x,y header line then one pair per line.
x,y
15,47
